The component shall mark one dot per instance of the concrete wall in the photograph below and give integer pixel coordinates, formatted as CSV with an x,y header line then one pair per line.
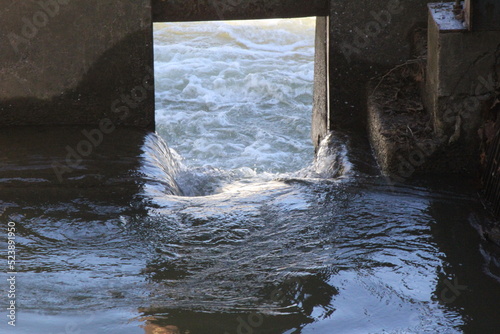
x,y
462,74
367,37
76,62
482,15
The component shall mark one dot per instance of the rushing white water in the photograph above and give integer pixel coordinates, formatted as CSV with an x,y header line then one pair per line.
x,y
236,94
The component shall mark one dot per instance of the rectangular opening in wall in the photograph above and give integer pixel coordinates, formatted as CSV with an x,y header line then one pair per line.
x,y
234,94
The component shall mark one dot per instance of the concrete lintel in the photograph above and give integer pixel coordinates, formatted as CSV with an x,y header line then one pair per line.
x,y
213,10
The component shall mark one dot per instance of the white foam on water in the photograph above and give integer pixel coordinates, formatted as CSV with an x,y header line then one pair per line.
x,y
237,93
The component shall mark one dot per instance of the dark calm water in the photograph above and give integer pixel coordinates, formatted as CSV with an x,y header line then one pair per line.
x,y
236,228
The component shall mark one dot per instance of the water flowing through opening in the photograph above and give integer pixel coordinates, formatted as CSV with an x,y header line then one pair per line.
x,y
236,95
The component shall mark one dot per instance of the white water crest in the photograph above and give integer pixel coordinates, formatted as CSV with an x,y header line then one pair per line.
x,y
166,174
236,94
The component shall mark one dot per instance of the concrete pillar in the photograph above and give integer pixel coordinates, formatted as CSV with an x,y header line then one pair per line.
x,y
76,62
462,73
321,98
366,39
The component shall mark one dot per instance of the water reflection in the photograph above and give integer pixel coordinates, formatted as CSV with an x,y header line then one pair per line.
x,y
294,300
261,255
151,328
468,281
188,322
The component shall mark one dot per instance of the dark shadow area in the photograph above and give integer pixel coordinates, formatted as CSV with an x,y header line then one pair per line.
x,y
68,157
469,281
43,167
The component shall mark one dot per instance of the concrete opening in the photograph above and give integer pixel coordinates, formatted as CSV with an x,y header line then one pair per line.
x,y
233,87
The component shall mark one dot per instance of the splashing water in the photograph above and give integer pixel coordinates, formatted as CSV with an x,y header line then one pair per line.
x,y
234,99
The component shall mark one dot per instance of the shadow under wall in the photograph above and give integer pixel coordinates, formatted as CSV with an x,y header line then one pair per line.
x,y
469,282
43,165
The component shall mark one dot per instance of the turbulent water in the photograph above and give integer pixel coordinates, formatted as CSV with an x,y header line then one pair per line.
x,y
223,222
237,94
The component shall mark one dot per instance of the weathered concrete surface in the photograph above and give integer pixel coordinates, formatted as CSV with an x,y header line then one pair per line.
x,y
67,62
401,133
462,74
208,10
321,96
76,62
367,37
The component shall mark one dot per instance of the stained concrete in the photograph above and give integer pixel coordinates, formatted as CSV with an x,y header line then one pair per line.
x,y
461,75
366,38
209,10
321,96
69,61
